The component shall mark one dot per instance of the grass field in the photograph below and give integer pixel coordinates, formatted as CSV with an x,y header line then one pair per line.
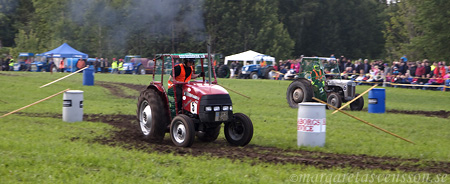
x,y
41,149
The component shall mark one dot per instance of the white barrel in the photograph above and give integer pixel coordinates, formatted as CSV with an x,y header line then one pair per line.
x,y
72,106
311,124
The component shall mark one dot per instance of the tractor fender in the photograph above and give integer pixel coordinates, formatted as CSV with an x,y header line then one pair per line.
x,y
304,80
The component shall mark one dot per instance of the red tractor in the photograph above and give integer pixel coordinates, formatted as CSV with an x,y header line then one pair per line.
x,y
205,106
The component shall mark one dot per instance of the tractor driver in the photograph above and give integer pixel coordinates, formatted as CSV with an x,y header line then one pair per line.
x,y
317,81
183,73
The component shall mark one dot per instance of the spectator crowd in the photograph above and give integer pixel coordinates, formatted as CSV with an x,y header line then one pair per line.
x,y
403,73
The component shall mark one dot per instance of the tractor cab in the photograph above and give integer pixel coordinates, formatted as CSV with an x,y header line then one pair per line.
x,y
187,109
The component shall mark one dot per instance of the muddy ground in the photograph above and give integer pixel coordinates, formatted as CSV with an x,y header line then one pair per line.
x,y
127,135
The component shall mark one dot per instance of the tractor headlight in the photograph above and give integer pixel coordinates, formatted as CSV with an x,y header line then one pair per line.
x,y
225,108
216,108
208,108
231,108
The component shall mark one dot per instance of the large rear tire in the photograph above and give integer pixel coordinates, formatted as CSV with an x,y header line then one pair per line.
x,y
223,71
141,70
334,99
152,115
240,131
209,135
267,74
299,91
358,104
182,131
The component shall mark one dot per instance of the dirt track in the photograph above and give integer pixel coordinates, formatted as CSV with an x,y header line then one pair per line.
x,y
127,135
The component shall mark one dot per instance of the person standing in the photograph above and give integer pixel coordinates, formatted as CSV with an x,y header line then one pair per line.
x,y
61,65
114,66
102,65
420,73
96,64
11,64
106,65
366,66
120,67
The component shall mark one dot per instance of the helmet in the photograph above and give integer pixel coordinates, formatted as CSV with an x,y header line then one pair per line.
x,y
316,67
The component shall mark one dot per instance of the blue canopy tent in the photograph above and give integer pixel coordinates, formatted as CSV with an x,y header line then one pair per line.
x,y
65,51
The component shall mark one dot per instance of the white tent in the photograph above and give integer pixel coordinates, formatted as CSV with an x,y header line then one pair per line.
x,y
247,56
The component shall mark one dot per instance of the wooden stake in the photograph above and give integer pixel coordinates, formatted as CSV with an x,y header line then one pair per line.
x,y
35,103
63,77
370,124
348,103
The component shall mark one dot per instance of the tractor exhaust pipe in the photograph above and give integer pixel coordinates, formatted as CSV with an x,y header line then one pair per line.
x,y
209,60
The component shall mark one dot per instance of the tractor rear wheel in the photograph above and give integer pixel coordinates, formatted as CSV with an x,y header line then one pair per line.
x,y
240,131
223,71
182,131
334,99
299,91
152,115
209,135
141,70
267,74
358,104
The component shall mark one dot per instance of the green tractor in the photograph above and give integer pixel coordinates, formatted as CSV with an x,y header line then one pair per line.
x,y
320,77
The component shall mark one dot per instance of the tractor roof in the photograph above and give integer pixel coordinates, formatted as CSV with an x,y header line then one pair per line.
x,y
186,55
319,58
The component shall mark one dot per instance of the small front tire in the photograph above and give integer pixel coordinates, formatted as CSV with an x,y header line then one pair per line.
x,y
240,131
358,104
182,131
253,75
334,99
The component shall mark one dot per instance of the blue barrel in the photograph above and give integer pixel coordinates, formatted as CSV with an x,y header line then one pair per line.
x,y
88,77
377,100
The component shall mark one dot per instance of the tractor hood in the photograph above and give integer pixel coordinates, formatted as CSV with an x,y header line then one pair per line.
x,y
337,82
200,89
250,68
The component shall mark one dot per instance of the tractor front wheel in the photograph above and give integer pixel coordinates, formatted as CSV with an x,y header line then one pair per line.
x,y
253,75
267,72
240,131
334,99
358,104
182,131
152,115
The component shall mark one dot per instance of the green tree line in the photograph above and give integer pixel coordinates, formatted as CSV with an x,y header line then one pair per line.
x,y
281,28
